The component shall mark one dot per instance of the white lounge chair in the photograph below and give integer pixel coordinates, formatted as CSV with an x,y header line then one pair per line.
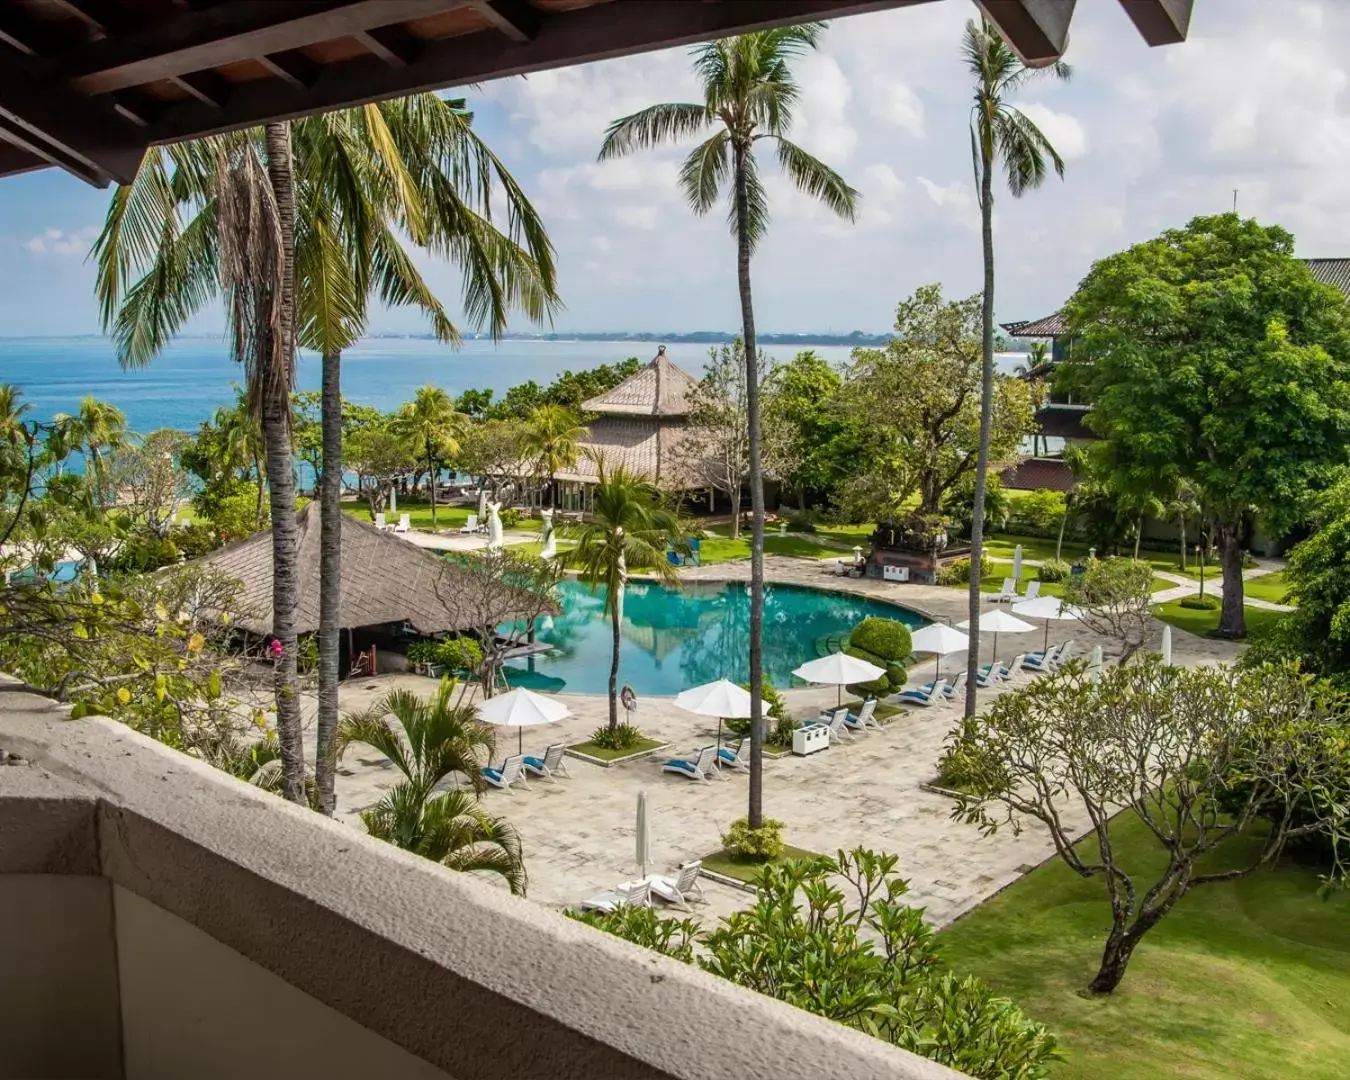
x,y
1067,652
989,675
917,695
681,888
1033,589
738,759
866,717
1008,593
470,524
404,523
551,766
957,687
627,894
1007,671
380,522
698,767
1041,662
512,771
835,721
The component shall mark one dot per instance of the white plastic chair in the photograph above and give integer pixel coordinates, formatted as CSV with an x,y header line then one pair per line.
x,y
551,766
956,687
927,698
1009,592
404,523
627,894
380,522
698,767
866,717
470,525
1007,671
1033,589
681,888
738,759
836,722
512,771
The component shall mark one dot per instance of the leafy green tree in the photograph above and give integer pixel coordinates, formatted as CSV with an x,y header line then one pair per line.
x,y
571,389
1212,357
926,439
430,424
716,447
627,529
1114,598
808,442
833,936
1168,746
552,439
1000,135
99,428
494,452
428,742
378,454
748,95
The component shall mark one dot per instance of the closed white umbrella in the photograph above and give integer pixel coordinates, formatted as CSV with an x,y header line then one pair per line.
x,y
1095,664
644,833
940,640
1047,608
999,621
1017,564
839,669
722,699
521,708
1167,644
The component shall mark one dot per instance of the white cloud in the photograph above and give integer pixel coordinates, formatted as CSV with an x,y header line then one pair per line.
x,y
638,217
59,242
1065,133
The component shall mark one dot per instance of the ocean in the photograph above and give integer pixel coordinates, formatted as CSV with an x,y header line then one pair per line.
x,y
183,386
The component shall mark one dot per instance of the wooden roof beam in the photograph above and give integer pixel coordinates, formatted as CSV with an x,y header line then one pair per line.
x,y
514,18
1037,30
1160,22
201,38
392,44
293,67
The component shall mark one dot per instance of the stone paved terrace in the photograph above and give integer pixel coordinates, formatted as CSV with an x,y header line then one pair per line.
x,y
578,834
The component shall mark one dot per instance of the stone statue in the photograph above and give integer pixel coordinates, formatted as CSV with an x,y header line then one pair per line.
x,y
494,527
550,549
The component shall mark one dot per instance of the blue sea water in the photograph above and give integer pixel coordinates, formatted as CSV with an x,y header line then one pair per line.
x,y
677,638
182,387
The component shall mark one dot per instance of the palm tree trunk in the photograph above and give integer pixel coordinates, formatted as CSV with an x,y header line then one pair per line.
x,y
276,423
1181,525
614,663
431,482
986,422
756,476
1138,536
735,494
1064,520
258,471
330,581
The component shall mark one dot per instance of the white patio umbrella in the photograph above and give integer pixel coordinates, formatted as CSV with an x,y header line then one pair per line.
x,y
644,833
838,669
1095,664
940,640
1047,608
521,708
1017,563
1000,622
1167,644
722,699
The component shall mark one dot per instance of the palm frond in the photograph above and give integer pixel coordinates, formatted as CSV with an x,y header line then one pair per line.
x,y
816,179
1023,148
705,171
653,126
756,208
330,308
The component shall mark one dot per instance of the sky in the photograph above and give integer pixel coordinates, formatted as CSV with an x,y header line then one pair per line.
x,y
1255,101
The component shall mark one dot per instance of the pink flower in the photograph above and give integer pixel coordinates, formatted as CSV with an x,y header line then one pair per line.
x,y
275,646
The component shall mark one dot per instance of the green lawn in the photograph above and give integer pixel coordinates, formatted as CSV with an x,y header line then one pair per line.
x,y
720,549
1246,980
998,570
591,750
743,869
1268,587
848,535
1204,623
418,511
534,547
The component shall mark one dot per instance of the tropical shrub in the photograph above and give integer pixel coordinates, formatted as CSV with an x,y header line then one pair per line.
x,y
774,710
195,540
765,843
1053,570
800,521
958,572
235,515
307,654
458,654
510,517
1198,602
834,937
619,737
1039,511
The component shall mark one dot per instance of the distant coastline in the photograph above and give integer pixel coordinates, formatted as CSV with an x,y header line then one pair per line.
x,y
693,337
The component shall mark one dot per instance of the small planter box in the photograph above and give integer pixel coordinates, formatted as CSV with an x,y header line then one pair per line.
x,y
609,763
810,740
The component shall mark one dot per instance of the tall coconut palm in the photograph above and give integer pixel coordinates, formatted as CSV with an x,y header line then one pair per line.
x,y
1000,135
749,93
429,742
432,428
627,529
98,427
552,439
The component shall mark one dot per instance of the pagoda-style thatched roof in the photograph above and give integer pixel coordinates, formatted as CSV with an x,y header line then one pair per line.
x,y
385,579
662,388
1052,326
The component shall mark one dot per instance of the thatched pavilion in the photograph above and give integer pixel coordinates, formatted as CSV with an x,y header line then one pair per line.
x,y
392,590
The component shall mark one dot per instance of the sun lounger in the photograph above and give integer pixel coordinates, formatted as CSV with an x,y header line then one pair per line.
x,y
835,721
681,888
695,768
628,894
1067,652
1033,589
1041,662
404,523
380,522
1007,671
957,687
551,765
470,525
512,771
866,717
1008,593
917,695
738,759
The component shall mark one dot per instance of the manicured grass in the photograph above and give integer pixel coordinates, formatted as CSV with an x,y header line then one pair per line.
x,y
418,511
743,869
720,549
1204,623
884,711
591,750
1244,980
998,570
848,535
534,547
1268,587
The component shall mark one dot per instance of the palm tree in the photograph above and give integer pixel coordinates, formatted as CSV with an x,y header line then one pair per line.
x,y
628,528
242,447
553,437
1000,134
432,427
749,94
429,742
97,427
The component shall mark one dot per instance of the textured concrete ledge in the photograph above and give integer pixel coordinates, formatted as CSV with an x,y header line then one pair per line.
x,y
446,966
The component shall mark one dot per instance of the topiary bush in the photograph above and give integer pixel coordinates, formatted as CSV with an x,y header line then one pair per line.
x,y
1197,602
1053,570
763,844
886,643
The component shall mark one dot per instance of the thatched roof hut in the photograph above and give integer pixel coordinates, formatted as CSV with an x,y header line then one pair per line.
x,y
386,580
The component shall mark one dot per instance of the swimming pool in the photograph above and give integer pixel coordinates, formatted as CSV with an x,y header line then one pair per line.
x,y
677,638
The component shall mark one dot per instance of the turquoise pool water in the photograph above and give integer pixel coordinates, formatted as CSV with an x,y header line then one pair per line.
x,y
677,638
